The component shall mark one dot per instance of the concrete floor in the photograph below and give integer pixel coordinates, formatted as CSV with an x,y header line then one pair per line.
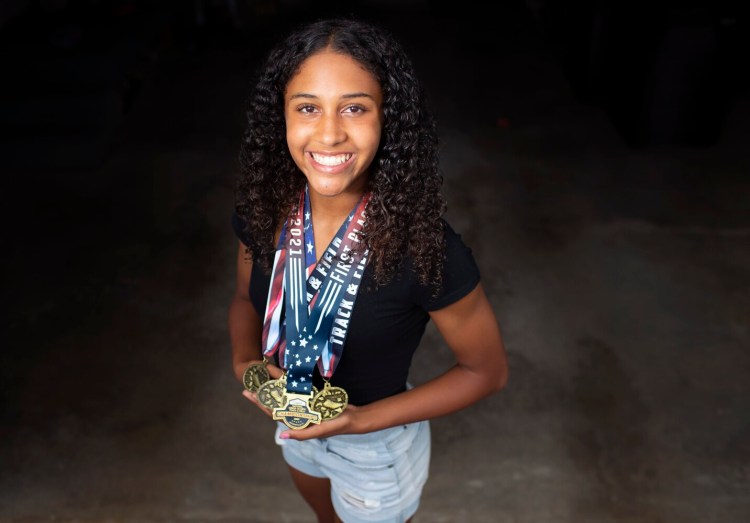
x,y
621,278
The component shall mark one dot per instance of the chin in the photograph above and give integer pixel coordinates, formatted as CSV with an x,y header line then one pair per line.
x,y
332,189
330,193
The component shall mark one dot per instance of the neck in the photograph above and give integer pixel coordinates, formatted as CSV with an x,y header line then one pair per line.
x,y
334,209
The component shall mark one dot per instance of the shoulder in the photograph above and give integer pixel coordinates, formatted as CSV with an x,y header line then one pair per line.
x,y
460,274
242,232
455,246
240,229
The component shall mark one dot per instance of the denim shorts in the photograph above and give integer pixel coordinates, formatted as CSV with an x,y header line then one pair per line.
x,y
375,477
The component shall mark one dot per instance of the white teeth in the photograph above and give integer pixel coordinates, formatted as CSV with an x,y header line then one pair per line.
x,y
330,161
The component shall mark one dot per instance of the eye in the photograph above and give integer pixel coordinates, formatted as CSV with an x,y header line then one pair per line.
x,y
306,109
354,109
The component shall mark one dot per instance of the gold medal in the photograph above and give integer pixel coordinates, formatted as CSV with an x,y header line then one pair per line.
x,y
296,413
330,402
256,374
272,394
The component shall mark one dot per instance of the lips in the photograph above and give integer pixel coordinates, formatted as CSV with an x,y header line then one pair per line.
x,y
330,162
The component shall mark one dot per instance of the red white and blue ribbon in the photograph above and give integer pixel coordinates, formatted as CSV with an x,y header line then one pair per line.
x,y
318,298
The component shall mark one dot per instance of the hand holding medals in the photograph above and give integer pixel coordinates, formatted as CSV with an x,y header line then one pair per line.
x,y
297,411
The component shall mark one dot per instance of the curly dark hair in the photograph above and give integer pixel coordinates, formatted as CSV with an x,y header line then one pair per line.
x,y
405,210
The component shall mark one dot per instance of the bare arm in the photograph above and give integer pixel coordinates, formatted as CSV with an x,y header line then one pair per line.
x,y
245,325
470,328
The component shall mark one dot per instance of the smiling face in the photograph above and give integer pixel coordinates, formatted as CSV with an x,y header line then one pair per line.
x,y
334,118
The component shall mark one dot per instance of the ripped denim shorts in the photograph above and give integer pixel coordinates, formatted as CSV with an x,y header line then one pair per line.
x,y
375,477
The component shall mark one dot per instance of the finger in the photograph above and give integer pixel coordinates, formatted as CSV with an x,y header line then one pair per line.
x,y
302,434
313,431
323,430
253,397
274,371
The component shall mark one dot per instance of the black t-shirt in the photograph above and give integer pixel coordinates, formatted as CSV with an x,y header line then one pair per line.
x,y
387,323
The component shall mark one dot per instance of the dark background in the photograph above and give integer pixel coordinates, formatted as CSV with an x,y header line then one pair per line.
x,y
595,156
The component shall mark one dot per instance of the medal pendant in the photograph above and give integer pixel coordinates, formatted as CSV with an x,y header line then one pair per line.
x,y
256,374
330,402
272,394
296,413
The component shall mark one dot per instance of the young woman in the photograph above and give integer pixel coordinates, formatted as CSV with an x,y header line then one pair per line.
x,y
343,259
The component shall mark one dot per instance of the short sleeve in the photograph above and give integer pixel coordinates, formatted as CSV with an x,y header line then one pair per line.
x,y
238,225
460,275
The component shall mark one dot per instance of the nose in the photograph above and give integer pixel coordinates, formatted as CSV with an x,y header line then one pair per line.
x,y
330,129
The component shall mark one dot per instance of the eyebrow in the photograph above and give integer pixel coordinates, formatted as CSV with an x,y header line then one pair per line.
x,y
345,96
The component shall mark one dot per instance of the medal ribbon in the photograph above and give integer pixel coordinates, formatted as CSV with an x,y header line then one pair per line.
x,y
346,274
334,346
317,332
273,336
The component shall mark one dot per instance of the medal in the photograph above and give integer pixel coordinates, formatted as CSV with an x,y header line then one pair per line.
x,y
330,402
256,374
272,394
296,413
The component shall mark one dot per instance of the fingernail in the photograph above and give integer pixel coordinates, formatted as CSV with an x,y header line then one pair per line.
x,y
284,435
